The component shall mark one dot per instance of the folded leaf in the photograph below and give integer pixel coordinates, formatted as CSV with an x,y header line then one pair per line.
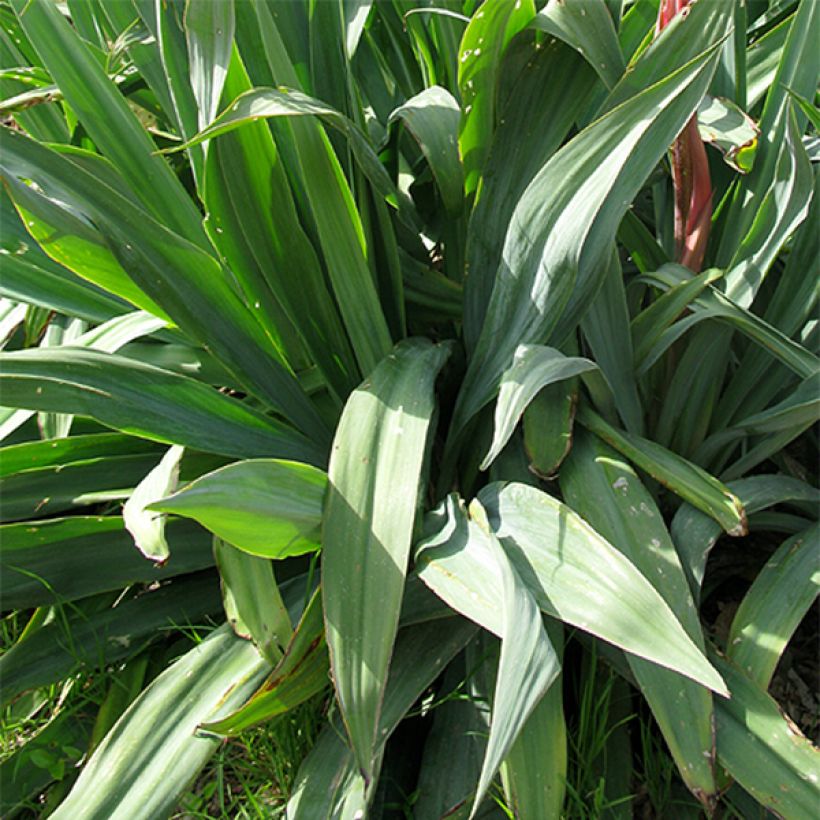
x,y
533,368
147,528
301,673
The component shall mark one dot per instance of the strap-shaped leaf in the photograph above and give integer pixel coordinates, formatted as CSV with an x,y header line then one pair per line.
x,y
564,225
110,122
432,117
695,533
328,783
301,673
252,601
576,575
374,474
607,492
145,401
589,29
266,507
189,283
606,329
209,29
763,750
544,103
153,752
683,478
538,790
533,368
61,559
775,605
528,663
41,454
479,57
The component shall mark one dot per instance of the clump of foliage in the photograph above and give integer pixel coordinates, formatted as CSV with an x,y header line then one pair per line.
x,y
441,354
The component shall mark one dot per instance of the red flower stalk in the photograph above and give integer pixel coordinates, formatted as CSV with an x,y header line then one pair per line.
x,y
690,176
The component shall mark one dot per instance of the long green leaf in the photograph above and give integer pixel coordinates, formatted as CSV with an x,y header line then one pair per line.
x,y
537,790
545,99
588,28
527,666
75,244
45,562
252,220
565,222
191,285
146,401
695,533
328,783
301,673
41,454
148,759
44,491
107,117
479,55
763,750
604,489
774,606
432,117
683,478
266,507
209,29
533,368
574,574
374,474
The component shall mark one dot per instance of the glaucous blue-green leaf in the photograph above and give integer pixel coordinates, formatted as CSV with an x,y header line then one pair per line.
x,y
682,477
774,606
533,368
695,533
299,674
606,491
432,117
545,540
251,598
367,529
145,763
587,27
564,224
527,666
329,783
763,750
